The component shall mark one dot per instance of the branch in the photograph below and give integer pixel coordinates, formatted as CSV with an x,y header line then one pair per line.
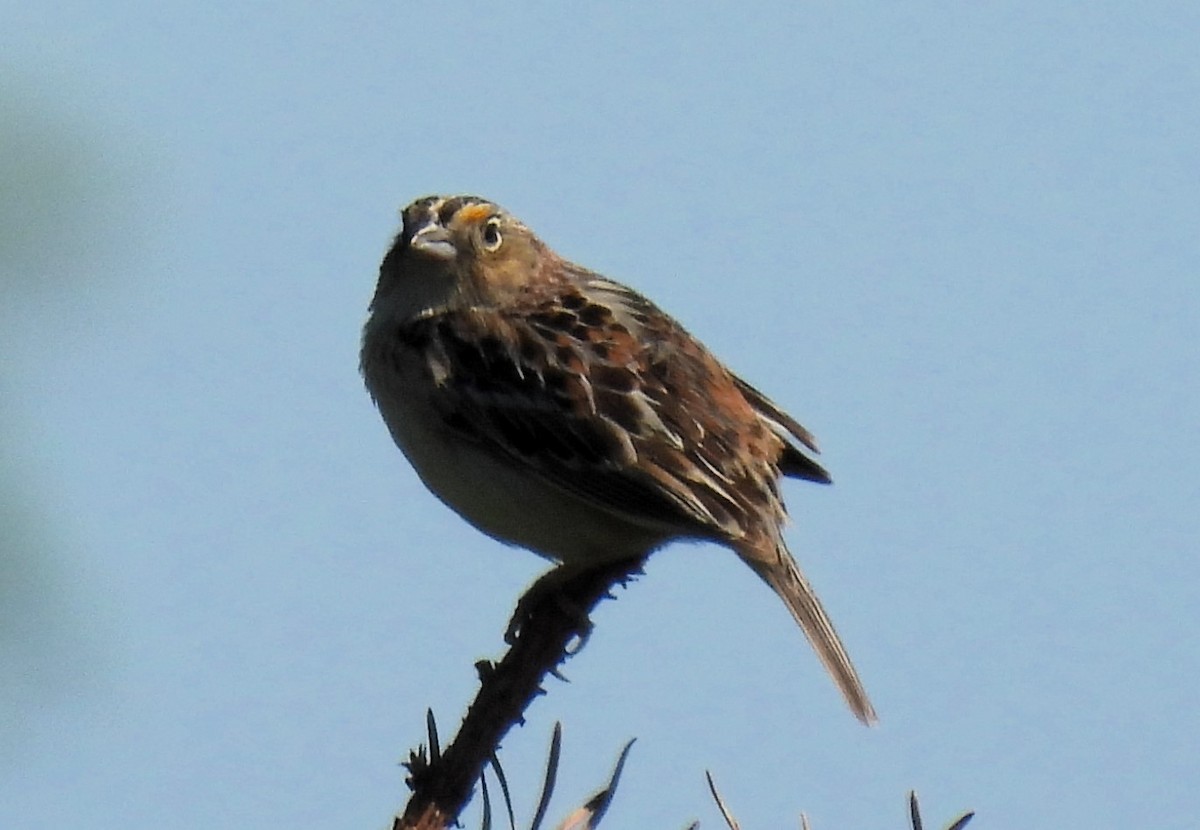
x,y
550,616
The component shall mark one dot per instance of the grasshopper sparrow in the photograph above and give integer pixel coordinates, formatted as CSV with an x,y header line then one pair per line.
x,y
555,409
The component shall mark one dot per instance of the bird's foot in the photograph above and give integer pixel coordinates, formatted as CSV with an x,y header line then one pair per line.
x,y
551,587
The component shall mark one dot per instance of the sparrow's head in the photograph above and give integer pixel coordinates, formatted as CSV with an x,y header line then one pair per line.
x,y
457,251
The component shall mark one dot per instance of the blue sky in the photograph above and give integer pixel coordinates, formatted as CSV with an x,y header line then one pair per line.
x,y
960,243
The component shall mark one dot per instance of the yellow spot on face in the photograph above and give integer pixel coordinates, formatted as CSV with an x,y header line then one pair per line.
x,y
473,214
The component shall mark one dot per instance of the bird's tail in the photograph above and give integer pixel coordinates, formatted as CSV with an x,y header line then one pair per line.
x,y
781,572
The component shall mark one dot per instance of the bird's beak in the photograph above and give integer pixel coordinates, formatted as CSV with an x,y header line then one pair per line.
x,y
434,242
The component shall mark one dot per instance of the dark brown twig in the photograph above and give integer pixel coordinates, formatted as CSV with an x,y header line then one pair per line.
x,y
552,614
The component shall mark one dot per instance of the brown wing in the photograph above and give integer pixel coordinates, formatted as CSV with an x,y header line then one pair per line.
x,y
793,462
596,390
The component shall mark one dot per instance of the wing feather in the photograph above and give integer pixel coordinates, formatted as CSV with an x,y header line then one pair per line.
x,y
603,395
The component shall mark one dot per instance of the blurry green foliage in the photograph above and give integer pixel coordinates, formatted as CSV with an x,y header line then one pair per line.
x,y
53,186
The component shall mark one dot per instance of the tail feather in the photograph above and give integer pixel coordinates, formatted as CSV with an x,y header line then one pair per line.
x,y
784,576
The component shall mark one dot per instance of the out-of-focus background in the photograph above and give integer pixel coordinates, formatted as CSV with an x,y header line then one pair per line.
x,y
962,244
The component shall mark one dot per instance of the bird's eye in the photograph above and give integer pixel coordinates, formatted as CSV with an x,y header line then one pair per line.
x,y
491,234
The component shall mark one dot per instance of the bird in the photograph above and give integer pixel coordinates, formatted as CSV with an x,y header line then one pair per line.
x,y
560,411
